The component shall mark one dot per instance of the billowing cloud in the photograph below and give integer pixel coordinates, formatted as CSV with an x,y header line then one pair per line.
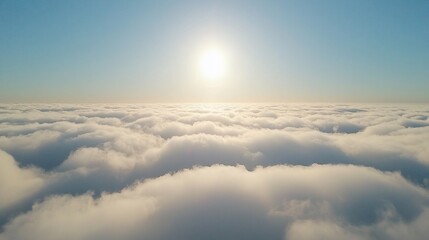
x,y
16,183
230,171
232,202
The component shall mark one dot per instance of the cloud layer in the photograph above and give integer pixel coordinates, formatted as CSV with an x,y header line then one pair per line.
x,y
218,171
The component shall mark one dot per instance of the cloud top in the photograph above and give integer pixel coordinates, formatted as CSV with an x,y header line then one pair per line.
x,y
231,171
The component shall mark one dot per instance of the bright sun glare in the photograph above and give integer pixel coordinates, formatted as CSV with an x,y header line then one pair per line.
x,y
212,64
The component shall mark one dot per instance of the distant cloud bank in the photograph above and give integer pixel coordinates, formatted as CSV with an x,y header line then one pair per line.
x,y
215,171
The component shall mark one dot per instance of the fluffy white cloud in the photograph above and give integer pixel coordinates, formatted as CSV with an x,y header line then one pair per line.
x,y
231,202
64,167
16,183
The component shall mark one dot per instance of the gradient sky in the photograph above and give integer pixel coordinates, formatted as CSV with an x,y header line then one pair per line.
x,y
146,51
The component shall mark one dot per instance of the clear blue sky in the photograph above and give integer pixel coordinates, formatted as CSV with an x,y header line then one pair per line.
x,y
145,51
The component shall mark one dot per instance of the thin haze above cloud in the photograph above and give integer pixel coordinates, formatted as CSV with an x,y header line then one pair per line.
x,y
216,171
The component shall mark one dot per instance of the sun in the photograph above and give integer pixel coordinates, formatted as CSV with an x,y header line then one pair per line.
x,y
212,64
